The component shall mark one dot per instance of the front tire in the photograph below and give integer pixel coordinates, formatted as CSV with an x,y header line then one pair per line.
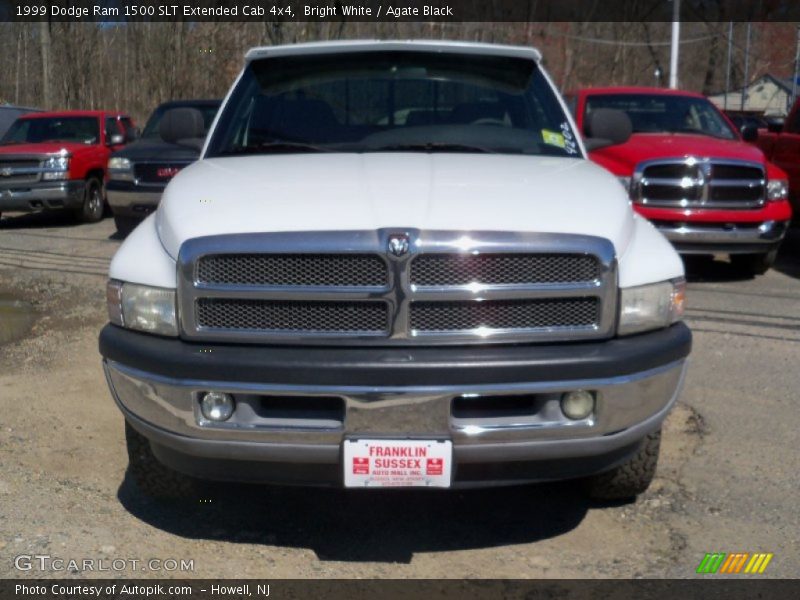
x,y
91,211
754,264
632,477
151,477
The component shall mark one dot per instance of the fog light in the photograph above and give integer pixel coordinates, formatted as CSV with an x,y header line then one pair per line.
x,y
217,406
577,405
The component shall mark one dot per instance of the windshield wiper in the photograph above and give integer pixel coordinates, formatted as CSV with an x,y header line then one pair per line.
x,y
432,147
697,131
278,147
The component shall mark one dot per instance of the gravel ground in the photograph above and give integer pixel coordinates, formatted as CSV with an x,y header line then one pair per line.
x,y
727,481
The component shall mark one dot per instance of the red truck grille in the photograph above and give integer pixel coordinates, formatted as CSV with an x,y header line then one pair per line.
x,y
19,171
699,183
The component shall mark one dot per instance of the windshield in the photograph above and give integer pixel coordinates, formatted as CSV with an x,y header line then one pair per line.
x,y
662,113
53,129
393,101
151,129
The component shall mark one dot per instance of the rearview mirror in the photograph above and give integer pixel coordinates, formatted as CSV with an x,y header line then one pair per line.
x,y
182,126
606,127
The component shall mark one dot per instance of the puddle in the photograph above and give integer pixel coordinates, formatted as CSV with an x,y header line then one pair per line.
x,y
16,319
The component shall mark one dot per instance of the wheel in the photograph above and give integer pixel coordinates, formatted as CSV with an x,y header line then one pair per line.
x,y
125,224
754,264
151,477
631,478
91,211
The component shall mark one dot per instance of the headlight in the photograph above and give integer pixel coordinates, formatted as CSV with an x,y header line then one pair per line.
x,y
120,168
777,189
651,306
142,307
56,168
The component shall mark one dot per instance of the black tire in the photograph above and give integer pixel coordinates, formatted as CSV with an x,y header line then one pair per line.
x,y
631,478
125,224
754,264
151,477
91,211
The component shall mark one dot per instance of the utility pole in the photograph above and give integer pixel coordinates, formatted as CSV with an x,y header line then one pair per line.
x,y
676,37
44,45
796,71
728,67
746,68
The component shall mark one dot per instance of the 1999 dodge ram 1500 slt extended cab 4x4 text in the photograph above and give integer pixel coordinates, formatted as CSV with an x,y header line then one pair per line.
x,y
688,170
393,265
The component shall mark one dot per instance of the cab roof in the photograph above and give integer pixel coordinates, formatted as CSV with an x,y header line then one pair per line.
x,y
466,48
653,91
73,113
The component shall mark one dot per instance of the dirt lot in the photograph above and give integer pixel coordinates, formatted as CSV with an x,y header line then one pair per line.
x,y
728,478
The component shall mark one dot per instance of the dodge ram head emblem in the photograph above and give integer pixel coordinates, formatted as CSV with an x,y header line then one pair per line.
x,y
398,244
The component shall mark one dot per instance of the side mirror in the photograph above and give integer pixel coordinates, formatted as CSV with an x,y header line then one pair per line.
x,y
749,133
775,126
606,127
182,126
116,139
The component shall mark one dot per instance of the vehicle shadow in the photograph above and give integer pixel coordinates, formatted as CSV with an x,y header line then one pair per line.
x,y
366,525
710,269
788,261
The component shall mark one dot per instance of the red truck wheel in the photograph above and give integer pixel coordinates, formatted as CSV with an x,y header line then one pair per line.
x,y
91,211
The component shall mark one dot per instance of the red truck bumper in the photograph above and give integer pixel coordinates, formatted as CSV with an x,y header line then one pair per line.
x,y
706,231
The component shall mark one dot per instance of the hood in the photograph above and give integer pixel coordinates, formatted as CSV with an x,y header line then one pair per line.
x,y
156,149
330,192
622,159
43,148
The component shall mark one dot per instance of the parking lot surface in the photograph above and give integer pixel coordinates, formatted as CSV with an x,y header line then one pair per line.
x,y
727,481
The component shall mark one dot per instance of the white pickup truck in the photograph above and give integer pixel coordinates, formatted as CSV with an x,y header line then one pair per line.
x,y
393,266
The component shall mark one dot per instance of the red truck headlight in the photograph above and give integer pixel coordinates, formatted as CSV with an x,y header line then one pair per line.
x,y
777,189
56,168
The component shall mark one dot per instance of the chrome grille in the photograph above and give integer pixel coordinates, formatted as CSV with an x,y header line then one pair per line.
x,y
699,182
356,270
357,288
285,316
19,171
553,313
502,269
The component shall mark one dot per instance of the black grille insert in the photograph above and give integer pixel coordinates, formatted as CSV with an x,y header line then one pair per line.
x,y
503,269
342,270
293,316
547,313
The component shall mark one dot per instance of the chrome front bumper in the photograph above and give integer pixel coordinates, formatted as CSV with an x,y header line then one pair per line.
x,y
167,412
42,196
125,199
697,238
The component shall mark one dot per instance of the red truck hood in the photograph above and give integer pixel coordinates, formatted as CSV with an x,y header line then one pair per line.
x,y
43,148
623,158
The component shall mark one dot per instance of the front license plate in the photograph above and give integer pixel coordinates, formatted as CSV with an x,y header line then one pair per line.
x,y
397,463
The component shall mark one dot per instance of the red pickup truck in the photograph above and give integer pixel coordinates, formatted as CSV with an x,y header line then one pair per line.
x,y
782,147
691,173
57,161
